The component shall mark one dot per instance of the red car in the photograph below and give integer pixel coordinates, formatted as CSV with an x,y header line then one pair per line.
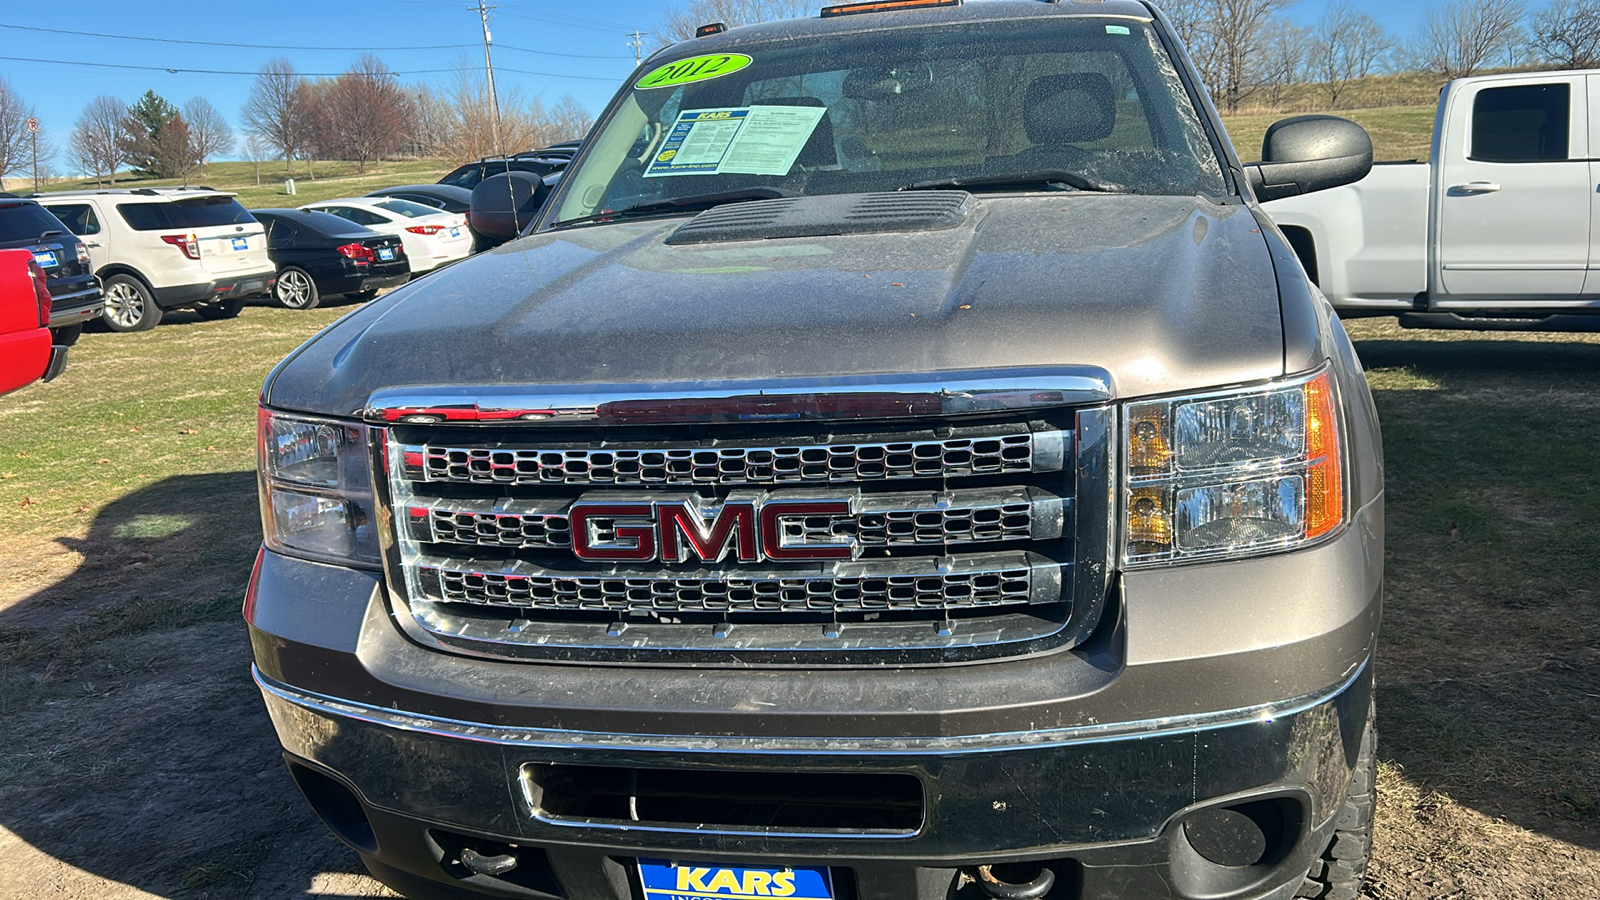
x,y
26,354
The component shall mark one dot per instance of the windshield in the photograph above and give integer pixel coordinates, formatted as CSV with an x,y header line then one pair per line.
x,y
1097,98
406,208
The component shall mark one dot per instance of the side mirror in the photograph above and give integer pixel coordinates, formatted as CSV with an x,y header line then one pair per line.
x,y
1309,153
502,205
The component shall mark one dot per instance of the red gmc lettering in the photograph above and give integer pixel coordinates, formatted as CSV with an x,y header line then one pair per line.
x,y
708,541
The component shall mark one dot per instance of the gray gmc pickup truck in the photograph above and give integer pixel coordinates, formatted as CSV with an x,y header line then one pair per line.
x,y
898,461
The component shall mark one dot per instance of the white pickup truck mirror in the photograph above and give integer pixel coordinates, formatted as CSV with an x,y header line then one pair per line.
x,y
1309,153
504,204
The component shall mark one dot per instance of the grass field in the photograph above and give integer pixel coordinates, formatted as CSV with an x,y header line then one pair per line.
x,y
131,522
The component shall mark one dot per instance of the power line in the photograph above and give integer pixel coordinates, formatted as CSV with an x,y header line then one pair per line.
x,y
231,46
185,71
504,46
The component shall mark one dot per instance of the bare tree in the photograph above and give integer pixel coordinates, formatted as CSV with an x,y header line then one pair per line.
x,y
1345,45
255,150
210,132
15,139
569,121
95,139
364,113
429,122
468,131
1285,50
680,22
174,150
1460,36
1228,40
317,135
277,109
1568,34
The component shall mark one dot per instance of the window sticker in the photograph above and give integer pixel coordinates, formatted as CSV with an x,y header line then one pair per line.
x,y
695,68
1117,29
752,140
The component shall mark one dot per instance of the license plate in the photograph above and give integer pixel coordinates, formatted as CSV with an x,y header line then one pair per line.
x,y
385,253
45,258
241,243
668,880
455,232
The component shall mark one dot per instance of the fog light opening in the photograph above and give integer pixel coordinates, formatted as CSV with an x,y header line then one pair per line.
x,y
337,806
1016,881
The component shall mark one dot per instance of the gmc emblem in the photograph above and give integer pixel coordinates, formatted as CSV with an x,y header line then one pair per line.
x,y
675,530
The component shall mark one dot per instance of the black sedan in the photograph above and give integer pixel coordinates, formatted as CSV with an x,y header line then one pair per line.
x,y
447,197
318,254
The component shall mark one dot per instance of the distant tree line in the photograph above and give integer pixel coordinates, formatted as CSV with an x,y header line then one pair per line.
x,y
362,115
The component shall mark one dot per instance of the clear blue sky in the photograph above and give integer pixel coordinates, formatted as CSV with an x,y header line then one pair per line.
x,y
596,28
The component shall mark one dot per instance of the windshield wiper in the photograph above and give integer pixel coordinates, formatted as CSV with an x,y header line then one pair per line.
x,y
46,235
1038,178
682,204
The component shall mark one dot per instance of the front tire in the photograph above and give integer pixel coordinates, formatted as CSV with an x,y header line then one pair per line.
x,y
221,309
1337,874
129,306
296,290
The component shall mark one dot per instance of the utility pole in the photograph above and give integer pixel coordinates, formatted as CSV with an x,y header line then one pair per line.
x,y
637,44
33,127
488,68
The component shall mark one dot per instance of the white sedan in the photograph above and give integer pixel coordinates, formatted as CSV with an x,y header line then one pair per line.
x,y
432,238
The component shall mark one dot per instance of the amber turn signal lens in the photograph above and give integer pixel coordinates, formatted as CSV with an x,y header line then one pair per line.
x,y
1324,479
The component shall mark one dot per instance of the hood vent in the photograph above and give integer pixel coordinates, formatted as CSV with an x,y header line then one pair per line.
x,y
827,215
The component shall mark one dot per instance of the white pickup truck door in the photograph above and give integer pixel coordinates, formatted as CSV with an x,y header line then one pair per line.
x,y
1591,286
1514,191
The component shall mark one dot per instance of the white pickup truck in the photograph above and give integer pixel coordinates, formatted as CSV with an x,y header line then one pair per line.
x,y
1500,229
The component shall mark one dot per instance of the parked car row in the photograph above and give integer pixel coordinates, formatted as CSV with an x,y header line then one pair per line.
x,y
131,255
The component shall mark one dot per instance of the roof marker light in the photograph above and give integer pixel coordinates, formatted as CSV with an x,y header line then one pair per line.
x,y
709,29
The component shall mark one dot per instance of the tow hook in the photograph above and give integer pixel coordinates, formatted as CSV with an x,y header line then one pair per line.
x,y
478,864
1007,890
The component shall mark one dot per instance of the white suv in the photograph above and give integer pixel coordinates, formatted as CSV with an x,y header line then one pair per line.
x,y
157,249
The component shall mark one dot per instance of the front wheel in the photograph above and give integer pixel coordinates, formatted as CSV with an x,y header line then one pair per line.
x,y
66,335
296,290
1337,873
129,306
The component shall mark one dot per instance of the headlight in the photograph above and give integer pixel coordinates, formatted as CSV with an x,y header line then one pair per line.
x,y
316,488
1231,473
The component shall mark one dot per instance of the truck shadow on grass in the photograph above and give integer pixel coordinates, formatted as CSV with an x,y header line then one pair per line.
x,y
1489,672
137,749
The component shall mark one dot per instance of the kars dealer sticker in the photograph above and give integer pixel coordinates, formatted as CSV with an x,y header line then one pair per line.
x,y
695,68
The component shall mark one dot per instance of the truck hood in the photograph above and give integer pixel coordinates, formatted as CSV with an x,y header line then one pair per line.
x,y
1163,293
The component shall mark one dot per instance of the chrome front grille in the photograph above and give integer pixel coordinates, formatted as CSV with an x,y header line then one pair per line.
x,y
733,465
957,535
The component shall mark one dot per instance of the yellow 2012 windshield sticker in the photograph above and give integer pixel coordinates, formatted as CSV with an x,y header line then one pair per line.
x,y
695,68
